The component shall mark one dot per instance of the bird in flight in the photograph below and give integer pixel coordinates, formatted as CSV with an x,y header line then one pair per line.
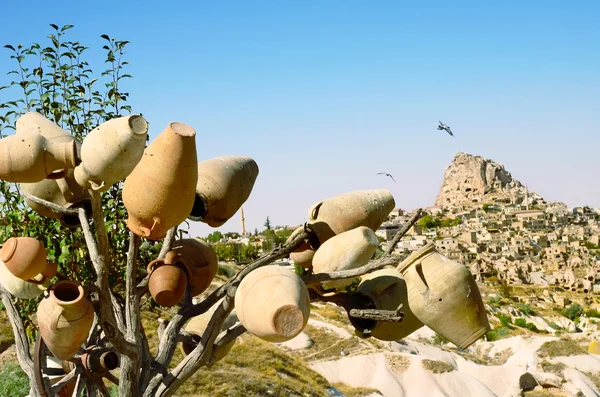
x,y
444,127
386,174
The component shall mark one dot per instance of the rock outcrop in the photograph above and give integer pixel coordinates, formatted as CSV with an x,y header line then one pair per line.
x,y
472,179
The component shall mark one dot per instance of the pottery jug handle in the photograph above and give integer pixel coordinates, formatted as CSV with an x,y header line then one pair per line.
x,y
95,186
420,279
153,264
65,189
313,212
55,317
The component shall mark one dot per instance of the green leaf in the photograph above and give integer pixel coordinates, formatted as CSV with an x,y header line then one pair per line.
x,y
10,47
54,26
105,37
66,27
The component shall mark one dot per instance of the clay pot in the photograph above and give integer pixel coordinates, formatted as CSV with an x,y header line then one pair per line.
x,y
200,262
345,251
25,258
197,325
167,280
111,151
444,296
383,289
303,255
29,157
273,303
159,193
64,192
224,184
347,211
20,288
65,318
34,122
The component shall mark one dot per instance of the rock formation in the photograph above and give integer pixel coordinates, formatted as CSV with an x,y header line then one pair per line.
x,y
472,179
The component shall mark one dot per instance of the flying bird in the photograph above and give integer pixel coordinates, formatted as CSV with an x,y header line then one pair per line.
x,y
444,127
386,174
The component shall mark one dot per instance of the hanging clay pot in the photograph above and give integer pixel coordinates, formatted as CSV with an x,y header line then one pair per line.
x,y
65,318
196,327
303,255
444,296
273,304
200,262
29,157
64,192
383,289
345,251
167,280
224,184
347,211
159,193
111,151
22,289
25,258
34,122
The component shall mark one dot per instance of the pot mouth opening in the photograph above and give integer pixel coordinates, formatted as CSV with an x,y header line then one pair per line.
x,y
199,209
188,347
67,292
110,360
360,301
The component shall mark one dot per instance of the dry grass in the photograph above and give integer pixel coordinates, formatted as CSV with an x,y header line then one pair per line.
x,y
594,378
560,347
437,367
354,391
330,312
553,368
546,393
328,345
398,363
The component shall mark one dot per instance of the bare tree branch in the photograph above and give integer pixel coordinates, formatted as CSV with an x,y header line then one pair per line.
x,y
48,204
376,264
405,228
21,342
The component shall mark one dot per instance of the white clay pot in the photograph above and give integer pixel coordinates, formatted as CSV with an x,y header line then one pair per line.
x,y
20,288
111,151
272,303
345,251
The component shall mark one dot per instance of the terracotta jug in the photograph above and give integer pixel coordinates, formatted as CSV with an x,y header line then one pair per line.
x,y
20,288
224,184
383,289
167,280
347,211
200,262
159,193
111,151
303,255
197,325
345,251
34,122
29,157
64,192
273,303
65,318
444,296
25,258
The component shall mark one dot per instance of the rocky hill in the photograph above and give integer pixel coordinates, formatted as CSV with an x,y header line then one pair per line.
x,y
473,179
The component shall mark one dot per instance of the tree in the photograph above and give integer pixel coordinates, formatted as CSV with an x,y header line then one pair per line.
x,y
268,224
116,280
214,237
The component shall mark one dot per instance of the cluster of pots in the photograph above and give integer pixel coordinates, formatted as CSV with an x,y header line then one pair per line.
x,y
164,183
65,315
431,289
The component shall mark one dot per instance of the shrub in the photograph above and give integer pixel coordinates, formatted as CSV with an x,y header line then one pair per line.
x,y
438,340
497,333
573,311
13,381
526,309
560,347
592,313
437,367
494,300
504,320
521,322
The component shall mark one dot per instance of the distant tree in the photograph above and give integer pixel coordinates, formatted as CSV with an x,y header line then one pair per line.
x,y
231,235
268,224
255,231
429,222
215,237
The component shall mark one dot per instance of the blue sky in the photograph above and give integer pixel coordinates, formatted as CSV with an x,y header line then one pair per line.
x,y
325,94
